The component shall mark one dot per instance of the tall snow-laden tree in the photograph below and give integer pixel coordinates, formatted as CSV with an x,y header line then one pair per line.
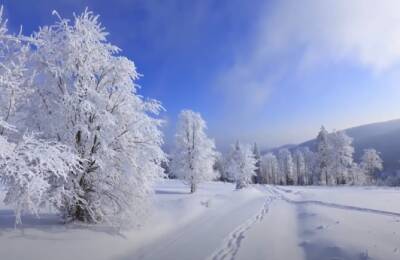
x,y
299,167
269,169
257,156
323,156
194,155
241,165
341,156
224,161
85,97
286,166
310,162
371,164
219,167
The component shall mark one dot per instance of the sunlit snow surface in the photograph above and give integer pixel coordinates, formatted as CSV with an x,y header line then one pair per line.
x,y
260,222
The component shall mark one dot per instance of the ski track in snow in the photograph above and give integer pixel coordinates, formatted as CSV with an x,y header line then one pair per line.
x,y
231,244
334,205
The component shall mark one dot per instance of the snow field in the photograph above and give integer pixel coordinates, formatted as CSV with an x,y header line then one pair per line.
x,y
218,222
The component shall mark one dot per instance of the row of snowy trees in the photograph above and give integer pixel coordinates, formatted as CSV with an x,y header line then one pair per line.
x,y
195,160
74,133
331,164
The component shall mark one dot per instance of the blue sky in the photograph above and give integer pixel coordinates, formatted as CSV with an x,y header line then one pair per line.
x,y
265,71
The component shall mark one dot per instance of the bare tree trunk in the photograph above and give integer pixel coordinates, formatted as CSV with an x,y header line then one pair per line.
x,y
193,187
326,177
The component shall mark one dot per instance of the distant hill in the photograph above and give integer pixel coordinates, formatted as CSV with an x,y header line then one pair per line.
x,y
383,136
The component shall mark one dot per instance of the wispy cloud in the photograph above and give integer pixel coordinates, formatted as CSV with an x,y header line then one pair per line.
x,y
294,35
364,32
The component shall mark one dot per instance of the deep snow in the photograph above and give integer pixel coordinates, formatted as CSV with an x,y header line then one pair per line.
x,y
260,222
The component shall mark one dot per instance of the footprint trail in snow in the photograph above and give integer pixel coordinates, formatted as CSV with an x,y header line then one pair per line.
x,y
231,244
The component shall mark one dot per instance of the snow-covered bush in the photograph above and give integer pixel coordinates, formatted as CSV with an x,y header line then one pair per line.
x,y
356,175
241,165
194,154
371,163
390,179
35,172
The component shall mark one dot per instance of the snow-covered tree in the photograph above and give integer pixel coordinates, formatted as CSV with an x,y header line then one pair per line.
x,y
241,164
219,167
371,164
341,156
310,159
223,162
299,167
257,156
286,167
84,96
194,155
323,156
269,169
334,158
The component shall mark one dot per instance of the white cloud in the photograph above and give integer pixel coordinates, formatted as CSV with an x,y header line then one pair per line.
x,y
293,35
364,32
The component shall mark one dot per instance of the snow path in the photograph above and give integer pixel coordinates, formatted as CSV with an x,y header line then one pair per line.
x,y
232,243
199,238
282,224
300,229
275,237
335,231
334,205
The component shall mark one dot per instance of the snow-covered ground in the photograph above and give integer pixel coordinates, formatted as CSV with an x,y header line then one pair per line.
x,y
260,222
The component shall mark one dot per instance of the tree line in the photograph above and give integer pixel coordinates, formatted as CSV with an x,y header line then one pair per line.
x,y
331,163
